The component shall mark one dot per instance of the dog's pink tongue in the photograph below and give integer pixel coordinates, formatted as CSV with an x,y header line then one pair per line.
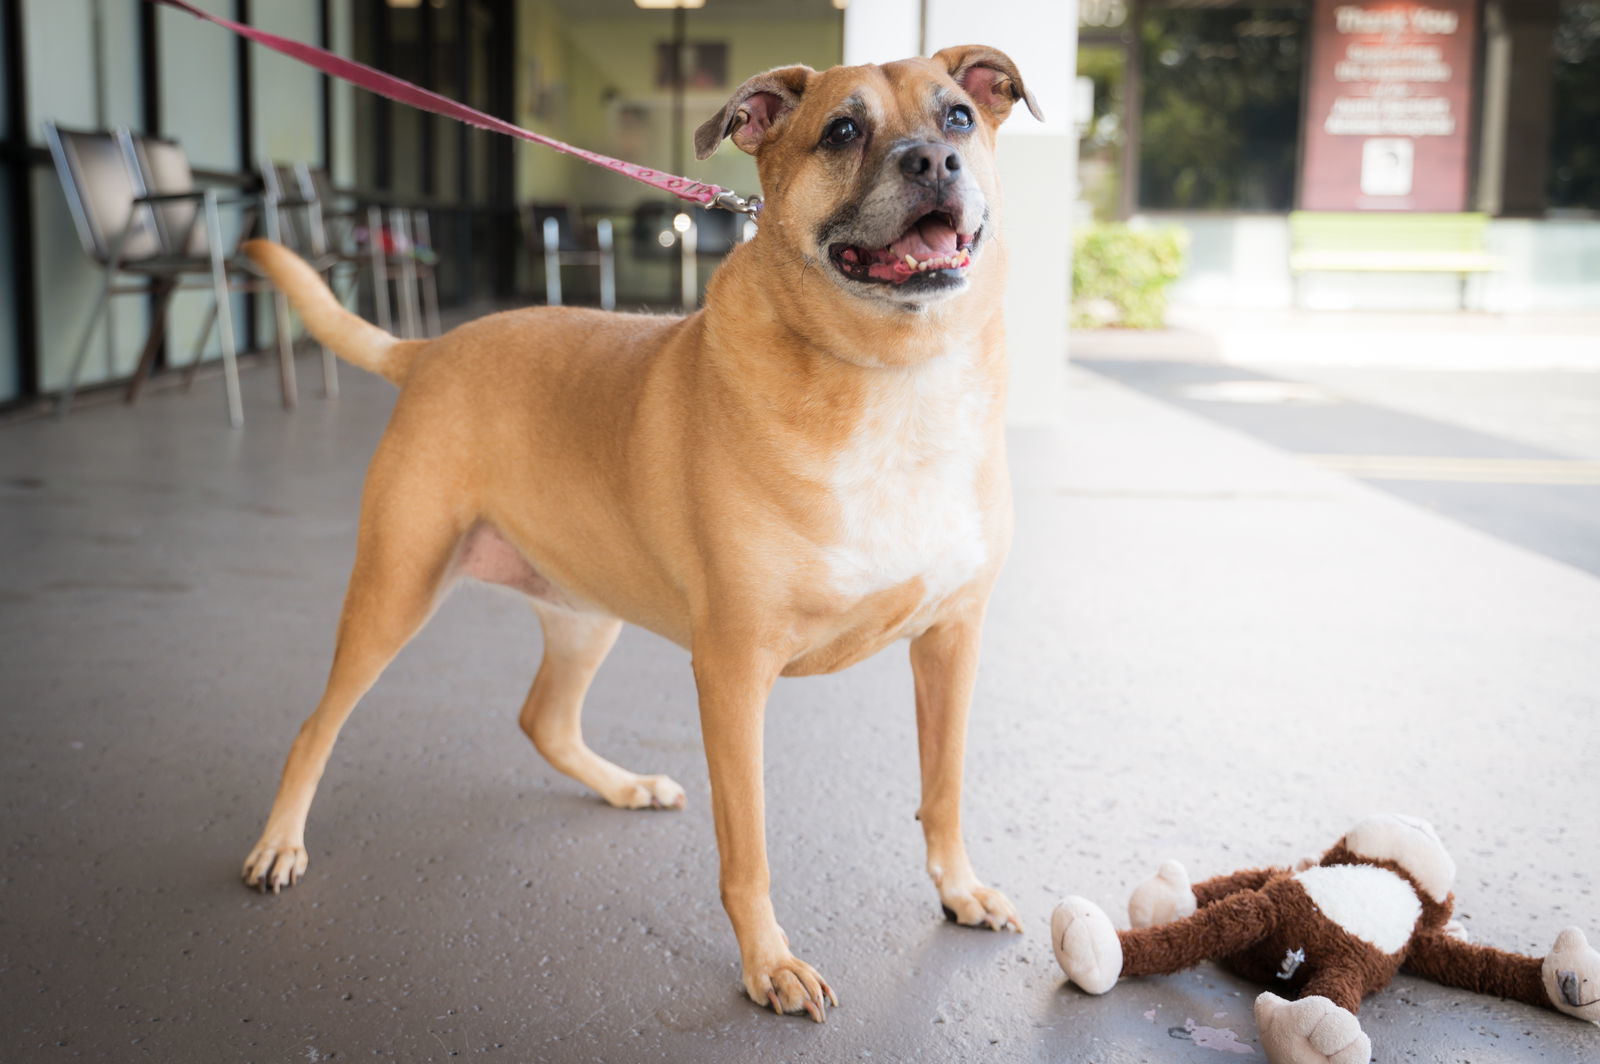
x,y
930,238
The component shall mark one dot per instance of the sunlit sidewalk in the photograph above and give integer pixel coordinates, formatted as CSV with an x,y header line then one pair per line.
x,y
1443,340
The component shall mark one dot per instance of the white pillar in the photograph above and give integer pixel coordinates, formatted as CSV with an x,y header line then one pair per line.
x,y
1038,164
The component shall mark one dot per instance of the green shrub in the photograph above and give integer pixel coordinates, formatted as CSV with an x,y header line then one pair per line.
x,y
1120,275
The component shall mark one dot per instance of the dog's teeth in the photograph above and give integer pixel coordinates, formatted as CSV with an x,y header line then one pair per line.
x,y
911,262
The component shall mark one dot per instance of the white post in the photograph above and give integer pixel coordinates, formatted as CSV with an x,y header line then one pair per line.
x,y
1038,164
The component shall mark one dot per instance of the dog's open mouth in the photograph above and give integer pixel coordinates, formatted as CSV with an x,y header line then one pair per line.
x,y
930,247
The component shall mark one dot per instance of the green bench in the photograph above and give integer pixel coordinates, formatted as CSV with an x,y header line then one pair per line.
x,y
1384,242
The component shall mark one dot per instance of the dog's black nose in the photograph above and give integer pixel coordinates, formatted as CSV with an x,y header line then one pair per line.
x,y
930,164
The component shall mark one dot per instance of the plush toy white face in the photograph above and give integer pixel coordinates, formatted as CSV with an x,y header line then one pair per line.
x,y
1409,842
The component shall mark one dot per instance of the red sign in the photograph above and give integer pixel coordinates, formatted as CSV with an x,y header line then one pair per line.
x,y
1389,106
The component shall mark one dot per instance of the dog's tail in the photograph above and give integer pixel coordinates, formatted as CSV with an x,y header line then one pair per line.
x,y
353,339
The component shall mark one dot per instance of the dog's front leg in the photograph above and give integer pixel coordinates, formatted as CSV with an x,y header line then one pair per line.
x,y
733,686
944,664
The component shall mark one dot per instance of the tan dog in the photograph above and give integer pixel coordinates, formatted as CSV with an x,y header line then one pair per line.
x,y
786,482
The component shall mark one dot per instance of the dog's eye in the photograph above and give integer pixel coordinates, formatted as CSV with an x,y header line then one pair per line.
x,y
959,117
840,131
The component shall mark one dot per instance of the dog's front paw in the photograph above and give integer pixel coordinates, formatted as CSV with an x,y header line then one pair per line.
x,y
1163,898
975,905
275,863
1086,945
647,792
788,984
1572,976
1312,1030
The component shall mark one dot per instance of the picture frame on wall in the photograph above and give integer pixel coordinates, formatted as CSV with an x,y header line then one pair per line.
x,y
705,64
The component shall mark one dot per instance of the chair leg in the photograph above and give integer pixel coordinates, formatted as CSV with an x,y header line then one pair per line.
x,y
286,378
608,265
330,364
689,267
287,386
408,273
82,353
428,278
199,346
430,303
152,343
552,262
100,307
380,271
219,284
111,342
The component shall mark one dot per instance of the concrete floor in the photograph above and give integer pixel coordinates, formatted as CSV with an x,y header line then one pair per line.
x,y
1203,648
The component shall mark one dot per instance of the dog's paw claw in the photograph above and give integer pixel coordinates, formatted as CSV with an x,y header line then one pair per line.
x,y
790,986
978,906
272,866
649,792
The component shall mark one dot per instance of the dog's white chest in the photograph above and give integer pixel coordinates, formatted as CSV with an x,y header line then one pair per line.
x,y
906,484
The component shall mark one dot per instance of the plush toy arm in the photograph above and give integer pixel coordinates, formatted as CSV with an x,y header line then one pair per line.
x,y
1214,889
1448,961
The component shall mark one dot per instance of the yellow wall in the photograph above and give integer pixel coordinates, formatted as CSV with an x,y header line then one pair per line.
x,y
592,68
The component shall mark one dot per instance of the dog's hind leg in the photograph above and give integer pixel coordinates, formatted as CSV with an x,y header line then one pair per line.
x,y
574,646
404,551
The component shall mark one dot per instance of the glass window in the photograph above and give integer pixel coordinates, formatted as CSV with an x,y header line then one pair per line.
x,y
1104,66
1574,147
10,364
1220,114
446,59
200,86
58,90
287,94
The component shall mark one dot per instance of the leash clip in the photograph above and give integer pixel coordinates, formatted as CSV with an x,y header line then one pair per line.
x,y
729,200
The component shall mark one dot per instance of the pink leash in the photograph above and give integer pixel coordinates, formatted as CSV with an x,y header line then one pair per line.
x,y
415,96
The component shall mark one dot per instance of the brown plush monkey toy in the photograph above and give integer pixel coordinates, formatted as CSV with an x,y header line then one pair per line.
x,y
1325,935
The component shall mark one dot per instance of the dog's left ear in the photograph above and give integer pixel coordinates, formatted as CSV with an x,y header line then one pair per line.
x,y
752,111
990,78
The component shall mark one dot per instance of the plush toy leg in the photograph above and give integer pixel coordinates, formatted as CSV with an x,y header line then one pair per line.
x,y
1168,895
1163,898
1228,925
1311,1030
1448,961
1086,944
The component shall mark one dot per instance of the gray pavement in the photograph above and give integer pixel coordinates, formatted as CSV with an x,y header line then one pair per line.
x,y
1437,458
1203,648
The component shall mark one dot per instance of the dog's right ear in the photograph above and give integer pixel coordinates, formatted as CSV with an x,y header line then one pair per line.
x,y
753,110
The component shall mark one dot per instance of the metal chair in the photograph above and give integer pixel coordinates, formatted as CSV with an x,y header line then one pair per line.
x,y
394,243
553,235
162,173
301,230
662,231
147,225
